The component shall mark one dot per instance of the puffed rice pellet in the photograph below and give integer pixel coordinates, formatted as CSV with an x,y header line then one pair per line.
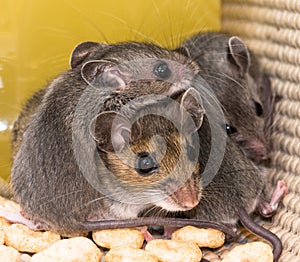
x,y
124,254
211,238
1,237
174,251
4,224
215,260
25,258
9,254
210,255
9,205
119,237
77,249
26,240
251,252
224,253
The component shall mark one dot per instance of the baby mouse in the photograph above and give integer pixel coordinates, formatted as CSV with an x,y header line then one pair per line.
x,y
48,174
226,64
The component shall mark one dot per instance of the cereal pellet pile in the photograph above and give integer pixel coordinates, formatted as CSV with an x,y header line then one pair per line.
x,y
189,244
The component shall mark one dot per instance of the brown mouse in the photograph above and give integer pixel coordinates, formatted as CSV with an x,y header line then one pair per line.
x,y
234,75
236,189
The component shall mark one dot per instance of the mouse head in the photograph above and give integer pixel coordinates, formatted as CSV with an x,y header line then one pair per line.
x,y
116,65
155,155
225,63
244,110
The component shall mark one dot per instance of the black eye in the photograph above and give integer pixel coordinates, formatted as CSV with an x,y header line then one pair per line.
x,y
230,129
162,71
258,108
145,164
191,152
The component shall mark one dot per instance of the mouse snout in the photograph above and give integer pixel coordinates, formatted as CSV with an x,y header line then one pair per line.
x,y
256,150
188,195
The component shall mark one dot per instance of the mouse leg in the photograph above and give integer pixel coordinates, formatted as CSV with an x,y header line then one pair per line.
x,y
168,231
268,209
17,218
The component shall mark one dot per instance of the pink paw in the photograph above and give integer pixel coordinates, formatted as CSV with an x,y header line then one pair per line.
x,y
268,209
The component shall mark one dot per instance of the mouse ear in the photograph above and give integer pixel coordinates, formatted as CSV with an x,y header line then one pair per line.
x,y
239,53
112,131
191,103
103,73
82,50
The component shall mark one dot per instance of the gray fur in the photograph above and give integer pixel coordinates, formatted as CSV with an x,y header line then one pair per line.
x,y
234,75
47,175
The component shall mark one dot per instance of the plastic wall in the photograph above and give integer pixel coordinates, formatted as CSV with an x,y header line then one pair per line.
x,y
37,37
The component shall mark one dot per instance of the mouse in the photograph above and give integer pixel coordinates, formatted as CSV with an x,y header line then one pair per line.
x,y
237,188
46,161
233,73
134,178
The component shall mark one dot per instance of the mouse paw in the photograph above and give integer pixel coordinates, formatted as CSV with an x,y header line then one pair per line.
x,y
268,209
147,235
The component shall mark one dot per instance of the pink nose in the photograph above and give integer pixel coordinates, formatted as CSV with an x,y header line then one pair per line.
x,y
256,150
187,196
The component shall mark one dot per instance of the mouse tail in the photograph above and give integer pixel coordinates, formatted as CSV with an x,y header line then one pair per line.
x,y
261,232
155,221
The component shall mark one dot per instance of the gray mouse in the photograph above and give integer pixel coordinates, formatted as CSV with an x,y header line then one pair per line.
x,y
234,75
48,173
237,190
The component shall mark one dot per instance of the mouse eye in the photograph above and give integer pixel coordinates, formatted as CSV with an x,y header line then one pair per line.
x,y
162,71
145,164
191,152
230,129
258,108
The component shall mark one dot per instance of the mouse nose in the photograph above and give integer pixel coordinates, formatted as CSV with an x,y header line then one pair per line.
x,y
190,203
256,150
187,196
186,200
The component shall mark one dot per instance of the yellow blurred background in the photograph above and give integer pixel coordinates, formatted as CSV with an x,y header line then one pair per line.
x,y
37,38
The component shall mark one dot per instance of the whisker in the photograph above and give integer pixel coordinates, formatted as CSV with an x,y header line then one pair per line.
x,y
59,196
